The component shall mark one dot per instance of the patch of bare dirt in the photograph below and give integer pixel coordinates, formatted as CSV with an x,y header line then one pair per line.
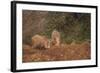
x,y
64,52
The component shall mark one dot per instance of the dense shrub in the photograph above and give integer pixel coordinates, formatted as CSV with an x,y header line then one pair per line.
x,y
72,26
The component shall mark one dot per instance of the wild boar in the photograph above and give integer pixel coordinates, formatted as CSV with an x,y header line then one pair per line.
x,y
55,38
40,42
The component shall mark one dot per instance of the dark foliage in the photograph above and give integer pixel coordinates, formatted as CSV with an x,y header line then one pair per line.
x,y
72,26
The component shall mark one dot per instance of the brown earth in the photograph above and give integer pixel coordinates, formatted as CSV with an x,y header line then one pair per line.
x,y
61,53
